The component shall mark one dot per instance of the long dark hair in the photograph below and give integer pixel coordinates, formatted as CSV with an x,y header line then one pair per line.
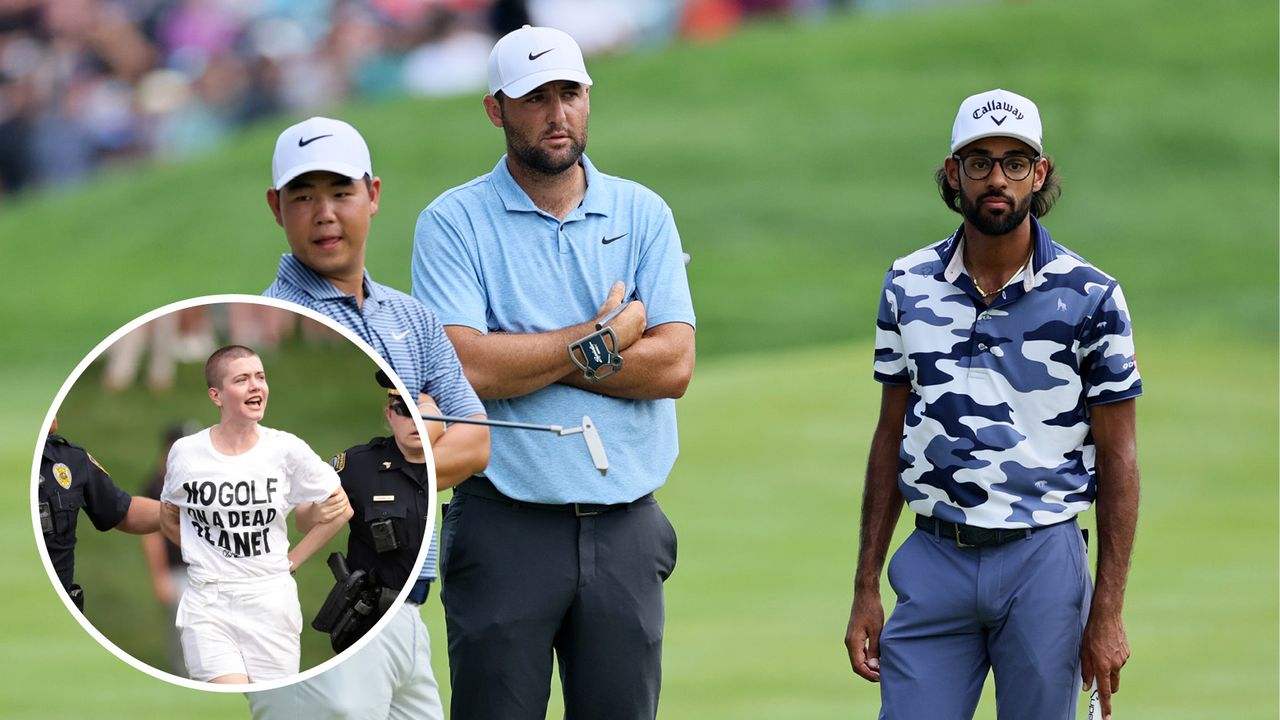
x,y
1041,201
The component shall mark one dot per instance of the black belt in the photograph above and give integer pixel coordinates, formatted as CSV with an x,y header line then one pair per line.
x,y
970,536
482,488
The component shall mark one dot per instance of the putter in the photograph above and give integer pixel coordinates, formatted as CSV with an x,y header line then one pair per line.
x,y
1095,705
588,431
596,355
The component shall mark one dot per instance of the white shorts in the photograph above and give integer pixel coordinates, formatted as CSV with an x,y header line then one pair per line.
x,y
246,627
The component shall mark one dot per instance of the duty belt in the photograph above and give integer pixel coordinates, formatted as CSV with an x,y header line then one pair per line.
x,y
969,535
483,488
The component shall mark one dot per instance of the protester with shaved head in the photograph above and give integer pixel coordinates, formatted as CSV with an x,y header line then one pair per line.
x,y
227,491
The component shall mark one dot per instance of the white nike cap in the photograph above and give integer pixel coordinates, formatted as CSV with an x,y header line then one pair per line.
x,y
997,113
320,143
526,58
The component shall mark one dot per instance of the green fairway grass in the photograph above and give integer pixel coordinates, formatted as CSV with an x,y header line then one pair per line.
x,y
798,161
765,503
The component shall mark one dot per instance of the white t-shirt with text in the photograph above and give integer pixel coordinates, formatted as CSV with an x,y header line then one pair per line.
x,y
233,507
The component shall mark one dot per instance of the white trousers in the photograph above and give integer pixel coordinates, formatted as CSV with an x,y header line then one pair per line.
x,y
388,679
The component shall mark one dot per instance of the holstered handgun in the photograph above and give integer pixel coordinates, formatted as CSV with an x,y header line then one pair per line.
x,y
353,606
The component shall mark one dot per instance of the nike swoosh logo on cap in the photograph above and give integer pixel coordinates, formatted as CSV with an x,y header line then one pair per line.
x,y
533,56
606,241
304,143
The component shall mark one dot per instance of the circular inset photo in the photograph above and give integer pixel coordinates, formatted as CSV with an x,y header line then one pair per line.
x,y
231,492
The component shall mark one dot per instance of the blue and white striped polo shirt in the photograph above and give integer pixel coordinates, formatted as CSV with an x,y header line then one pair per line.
x,y
485,257
402,330
997,426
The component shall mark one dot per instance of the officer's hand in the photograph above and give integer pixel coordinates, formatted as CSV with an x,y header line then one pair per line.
x,y
862,637
333,507
1103,651
630,323
169,523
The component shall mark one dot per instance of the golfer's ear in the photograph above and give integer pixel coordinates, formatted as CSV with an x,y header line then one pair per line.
x,y
1041,172
493,110
273,202
952,169
375,194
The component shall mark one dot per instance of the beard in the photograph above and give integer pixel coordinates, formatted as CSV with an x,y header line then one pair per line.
x,y
545,162
988,223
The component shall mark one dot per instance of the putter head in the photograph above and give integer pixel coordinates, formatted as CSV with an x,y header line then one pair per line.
x,y
595,446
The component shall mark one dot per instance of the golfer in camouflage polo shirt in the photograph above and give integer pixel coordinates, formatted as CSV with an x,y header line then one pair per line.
x,y
1008,409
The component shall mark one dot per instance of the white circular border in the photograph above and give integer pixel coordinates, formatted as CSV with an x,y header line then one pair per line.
x,y
75,376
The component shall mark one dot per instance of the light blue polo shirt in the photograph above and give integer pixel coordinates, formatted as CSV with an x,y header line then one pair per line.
x,y
997,426
485,257
406,334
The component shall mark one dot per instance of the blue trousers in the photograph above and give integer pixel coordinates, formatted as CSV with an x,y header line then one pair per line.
x,y
1016,609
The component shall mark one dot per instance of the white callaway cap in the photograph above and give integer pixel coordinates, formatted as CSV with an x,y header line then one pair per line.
x,y
526,58
320,143
997,113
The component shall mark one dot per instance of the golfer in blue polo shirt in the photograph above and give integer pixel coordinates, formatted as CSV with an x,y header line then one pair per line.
x,y
324,195
1008,409
540,256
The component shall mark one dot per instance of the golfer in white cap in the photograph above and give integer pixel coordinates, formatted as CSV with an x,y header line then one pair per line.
x,y
544,554
324,195
1009,384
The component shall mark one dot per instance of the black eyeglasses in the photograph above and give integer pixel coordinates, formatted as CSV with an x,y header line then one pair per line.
x,y
400,408
1014,167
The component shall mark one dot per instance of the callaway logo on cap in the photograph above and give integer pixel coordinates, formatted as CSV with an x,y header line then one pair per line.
x,y
319,143
997,113
526,58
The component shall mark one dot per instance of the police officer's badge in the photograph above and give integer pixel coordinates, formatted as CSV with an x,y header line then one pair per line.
x,y
62,474
338,462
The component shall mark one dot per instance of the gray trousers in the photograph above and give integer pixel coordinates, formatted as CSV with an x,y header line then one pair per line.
x,y
521,582
1016,609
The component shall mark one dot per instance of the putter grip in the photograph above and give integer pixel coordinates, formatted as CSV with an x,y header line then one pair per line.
x,y
613,314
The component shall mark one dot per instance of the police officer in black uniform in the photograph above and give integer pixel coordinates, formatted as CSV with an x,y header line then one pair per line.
x,y
71,480
390,497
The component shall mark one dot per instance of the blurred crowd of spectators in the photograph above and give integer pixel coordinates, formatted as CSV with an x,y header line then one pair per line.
x,y
155,348
85,83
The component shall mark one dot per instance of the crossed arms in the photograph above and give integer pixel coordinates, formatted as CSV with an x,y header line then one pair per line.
x,y
659,360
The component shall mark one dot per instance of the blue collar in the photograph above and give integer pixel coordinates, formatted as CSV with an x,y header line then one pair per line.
x,y
515,199
292,271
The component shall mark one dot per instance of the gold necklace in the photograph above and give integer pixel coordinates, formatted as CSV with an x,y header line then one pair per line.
x,y
974,278
981,292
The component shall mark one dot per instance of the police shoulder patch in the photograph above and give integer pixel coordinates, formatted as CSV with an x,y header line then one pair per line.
x,y
94,460
62,474
339,461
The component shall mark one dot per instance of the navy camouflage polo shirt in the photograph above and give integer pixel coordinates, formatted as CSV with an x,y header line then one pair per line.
x,y
997,424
